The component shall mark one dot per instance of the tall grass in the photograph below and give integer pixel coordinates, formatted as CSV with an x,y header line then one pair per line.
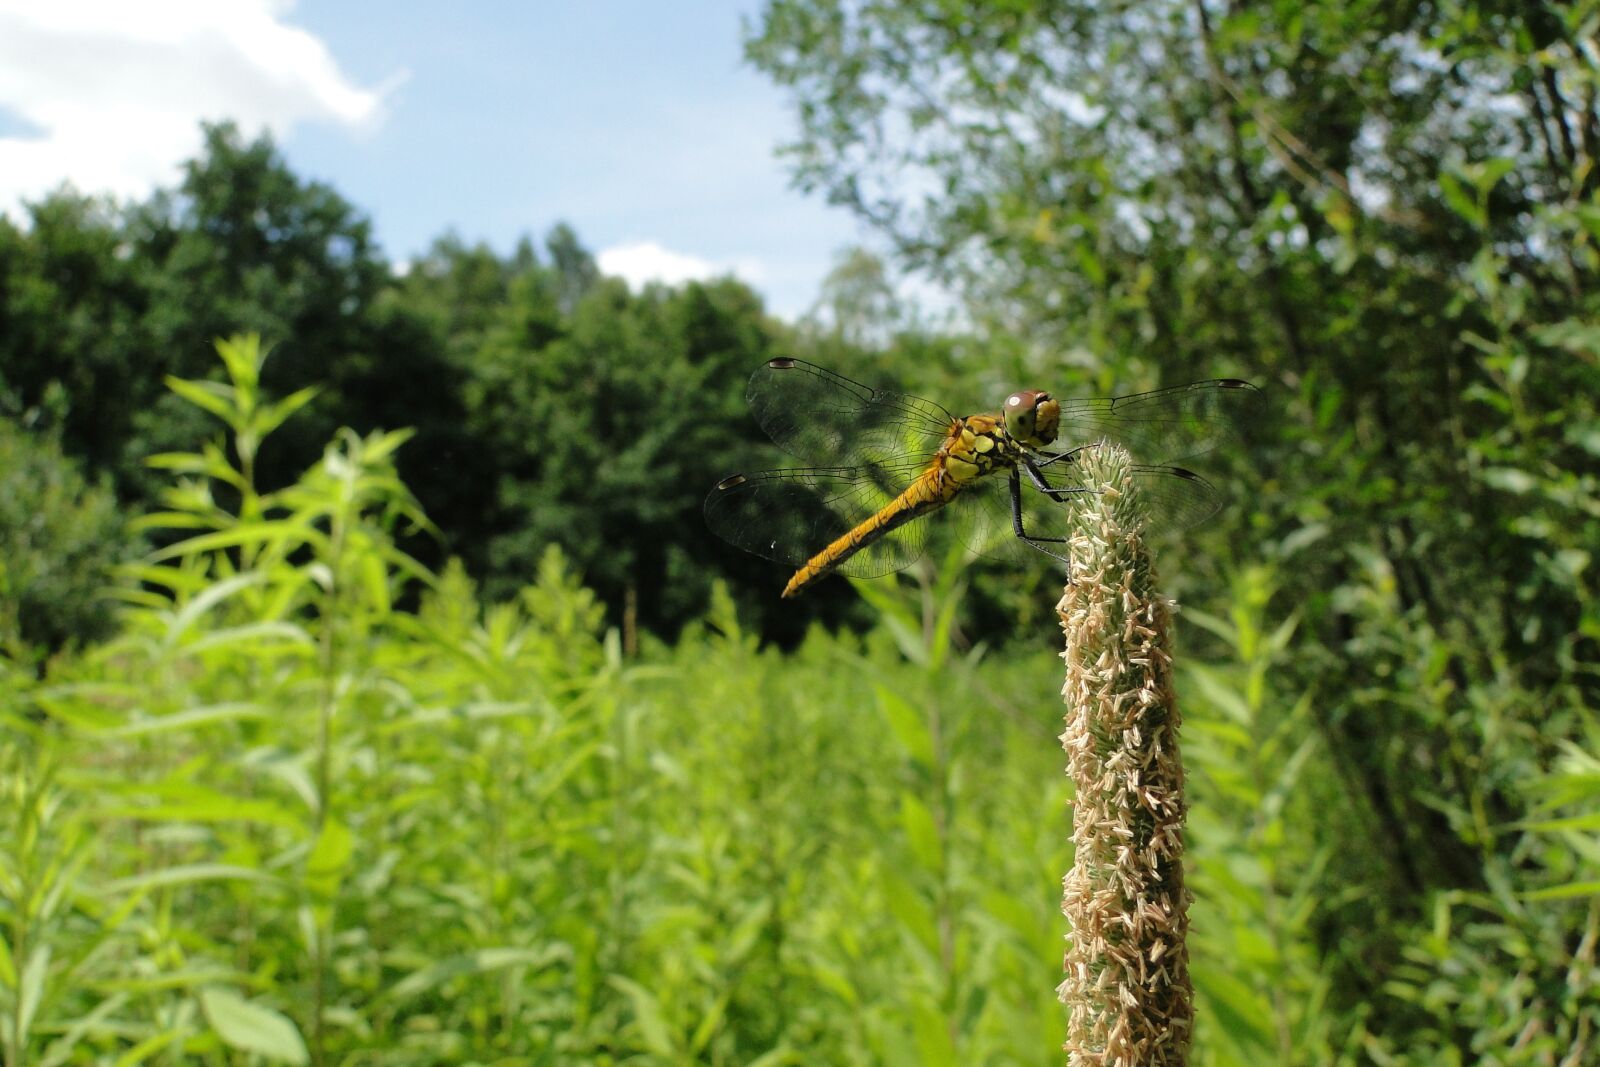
x,y
278,819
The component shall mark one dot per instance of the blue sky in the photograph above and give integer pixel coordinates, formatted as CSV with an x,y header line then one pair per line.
x,y
634,121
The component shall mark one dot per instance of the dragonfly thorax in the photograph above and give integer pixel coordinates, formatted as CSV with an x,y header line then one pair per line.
x,y
977,445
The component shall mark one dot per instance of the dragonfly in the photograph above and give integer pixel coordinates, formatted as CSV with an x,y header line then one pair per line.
x,y
888,459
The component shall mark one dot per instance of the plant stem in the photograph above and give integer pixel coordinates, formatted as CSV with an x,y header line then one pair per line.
x,y
327,656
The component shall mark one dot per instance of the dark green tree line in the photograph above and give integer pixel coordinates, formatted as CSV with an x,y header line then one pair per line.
x,y
549,404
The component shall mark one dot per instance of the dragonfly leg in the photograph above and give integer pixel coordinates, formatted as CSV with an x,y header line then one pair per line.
x,y
1016,510
1040,483
1070,457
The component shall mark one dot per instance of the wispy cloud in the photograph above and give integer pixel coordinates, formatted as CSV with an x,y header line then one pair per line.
x,y
109,95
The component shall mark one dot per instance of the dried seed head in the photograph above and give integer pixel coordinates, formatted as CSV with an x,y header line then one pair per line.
x,y
1127,976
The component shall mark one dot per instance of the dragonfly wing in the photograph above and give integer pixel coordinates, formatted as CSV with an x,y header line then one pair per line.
x,y
1173,498
791,515
1165,425
1170,498
825,418
981,518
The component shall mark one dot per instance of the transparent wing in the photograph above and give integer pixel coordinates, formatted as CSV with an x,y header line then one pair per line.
x,y
1165,425
1172,499
825,418
981,517
791,515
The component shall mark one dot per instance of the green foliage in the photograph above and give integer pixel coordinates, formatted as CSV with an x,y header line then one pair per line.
x,y
59,537
548,405
618,418
1385,214
480,833
326,830
72,305
278,817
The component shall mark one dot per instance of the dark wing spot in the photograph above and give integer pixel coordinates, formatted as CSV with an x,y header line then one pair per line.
x,y
732,481
783,363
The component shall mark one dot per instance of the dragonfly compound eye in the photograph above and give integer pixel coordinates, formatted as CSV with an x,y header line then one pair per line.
x,y
1019,416
1032,417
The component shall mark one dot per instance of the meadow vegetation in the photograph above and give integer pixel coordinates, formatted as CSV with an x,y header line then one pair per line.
x,y
427,724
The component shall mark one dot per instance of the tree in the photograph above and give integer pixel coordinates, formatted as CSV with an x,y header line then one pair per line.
x,y
575,269
608,429
1385,214
73,340
857,301
245,245
59,537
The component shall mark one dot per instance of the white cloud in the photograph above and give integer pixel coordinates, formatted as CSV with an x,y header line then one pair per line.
x,y
119,89
640,262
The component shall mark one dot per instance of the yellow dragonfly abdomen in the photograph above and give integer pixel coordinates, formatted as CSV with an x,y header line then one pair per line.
x,y
920,497
975,447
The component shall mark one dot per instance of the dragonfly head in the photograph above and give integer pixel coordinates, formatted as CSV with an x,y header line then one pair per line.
x,y
1033,417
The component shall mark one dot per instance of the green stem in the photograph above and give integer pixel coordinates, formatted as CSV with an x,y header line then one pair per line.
x,y
327,661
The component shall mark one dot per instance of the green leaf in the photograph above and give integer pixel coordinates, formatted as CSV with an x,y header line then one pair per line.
x,y
922,833
262,534
243,356
1461,201
152,1045
188,874
1588,821
747,932
1486,175
274,415
255,638
179,462
1239,1012
896,614
1570,891
914,913
710,1023
253,1028
212,396
375,580
329,857
1581,337
8,967
934,1045
1220,694
1206,621
208,599
483,961
204,806
60,1051
208,715
647,1014
1509,479
906,721
31,990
